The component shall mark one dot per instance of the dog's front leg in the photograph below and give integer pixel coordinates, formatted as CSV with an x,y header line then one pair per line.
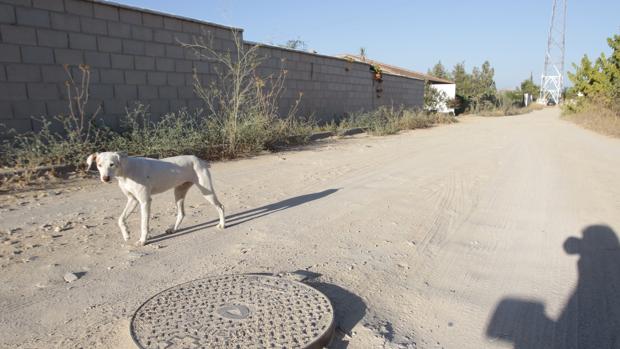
x,y
145,211
122,220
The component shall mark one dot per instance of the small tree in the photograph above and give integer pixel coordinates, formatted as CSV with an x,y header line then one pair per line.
x,y
600,80
509,99
434,99
588,78
528,86
296,44
475,91
439,71
484,91
463,87
612,68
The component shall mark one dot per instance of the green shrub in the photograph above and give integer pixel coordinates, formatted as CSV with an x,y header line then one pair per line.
x,y
176,133
387,120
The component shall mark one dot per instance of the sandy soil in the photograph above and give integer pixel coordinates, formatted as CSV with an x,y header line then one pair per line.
x,y
452,237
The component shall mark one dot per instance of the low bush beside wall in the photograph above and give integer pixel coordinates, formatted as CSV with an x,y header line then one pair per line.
x,y
186,132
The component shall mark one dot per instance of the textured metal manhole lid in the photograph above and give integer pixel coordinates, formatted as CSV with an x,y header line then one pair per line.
x,y
235,311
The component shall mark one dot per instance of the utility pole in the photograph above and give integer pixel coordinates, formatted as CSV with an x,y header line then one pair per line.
x,y
552,81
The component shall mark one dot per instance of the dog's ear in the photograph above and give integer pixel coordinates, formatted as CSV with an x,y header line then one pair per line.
x,y
121,156
90,159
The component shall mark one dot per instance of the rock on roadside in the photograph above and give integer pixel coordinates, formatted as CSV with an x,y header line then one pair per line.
x,y
70,277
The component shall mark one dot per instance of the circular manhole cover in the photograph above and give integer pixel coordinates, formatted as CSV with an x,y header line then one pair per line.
x,y
235,311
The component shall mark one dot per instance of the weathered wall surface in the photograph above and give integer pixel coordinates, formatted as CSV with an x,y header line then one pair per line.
x,y
399,90
332,86
134,55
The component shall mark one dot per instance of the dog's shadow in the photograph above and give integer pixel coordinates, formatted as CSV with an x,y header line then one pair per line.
x,y
245,216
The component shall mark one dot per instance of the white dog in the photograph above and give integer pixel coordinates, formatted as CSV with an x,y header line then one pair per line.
x,y
140,178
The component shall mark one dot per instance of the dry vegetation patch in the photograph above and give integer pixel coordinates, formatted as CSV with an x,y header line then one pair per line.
x,y
511,110
597,118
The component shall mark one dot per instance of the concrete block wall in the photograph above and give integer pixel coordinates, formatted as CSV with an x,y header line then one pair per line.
x,y
331,86
399,90
134,55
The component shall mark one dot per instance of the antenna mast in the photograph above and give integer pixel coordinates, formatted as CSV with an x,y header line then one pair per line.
x,y
552,81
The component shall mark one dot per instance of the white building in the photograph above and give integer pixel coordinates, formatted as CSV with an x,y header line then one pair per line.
x,y
449,89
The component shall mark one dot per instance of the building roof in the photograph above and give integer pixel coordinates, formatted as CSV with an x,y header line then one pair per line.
x,y
392,69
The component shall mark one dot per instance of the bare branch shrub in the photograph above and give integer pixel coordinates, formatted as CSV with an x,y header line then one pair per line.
x,y
240,104
75,134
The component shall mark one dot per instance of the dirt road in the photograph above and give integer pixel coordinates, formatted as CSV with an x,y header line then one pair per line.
x,y
451,237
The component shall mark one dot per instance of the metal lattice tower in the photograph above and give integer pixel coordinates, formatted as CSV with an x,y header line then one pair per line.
x,y
552,81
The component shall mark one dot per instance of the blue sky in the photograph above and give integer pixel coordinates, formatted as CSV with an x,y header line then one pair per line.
x,y
512,35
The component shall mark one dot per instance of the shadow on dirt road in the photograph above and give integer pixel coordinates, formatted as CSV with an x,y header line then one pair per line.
x,y
349,309
245,216
590,319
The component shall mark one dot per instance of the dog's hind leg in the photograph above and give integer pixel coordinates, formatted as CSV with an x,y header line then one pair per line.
x,y
179,198
210,196
206,188
122,220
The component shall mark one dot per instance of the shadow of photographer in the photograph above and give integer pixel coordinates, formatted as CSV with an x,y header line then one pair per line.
x,y
590,319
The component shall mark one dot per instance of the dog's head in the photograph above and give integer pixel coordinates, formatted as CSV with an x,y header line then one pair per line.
x,y
108,163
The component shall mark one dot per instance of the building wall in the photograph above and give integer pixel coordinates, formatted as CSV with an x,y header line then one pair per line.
x,y
134,55
402,91
331,86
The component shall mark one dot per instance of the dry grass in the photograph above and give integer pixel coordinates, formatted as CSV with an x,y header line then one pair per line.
x,y
597,118
387,120
508,111
187,132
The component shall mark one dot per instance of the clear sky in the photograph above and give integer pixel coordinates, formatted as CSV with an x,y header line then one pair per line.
x,y
512,35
